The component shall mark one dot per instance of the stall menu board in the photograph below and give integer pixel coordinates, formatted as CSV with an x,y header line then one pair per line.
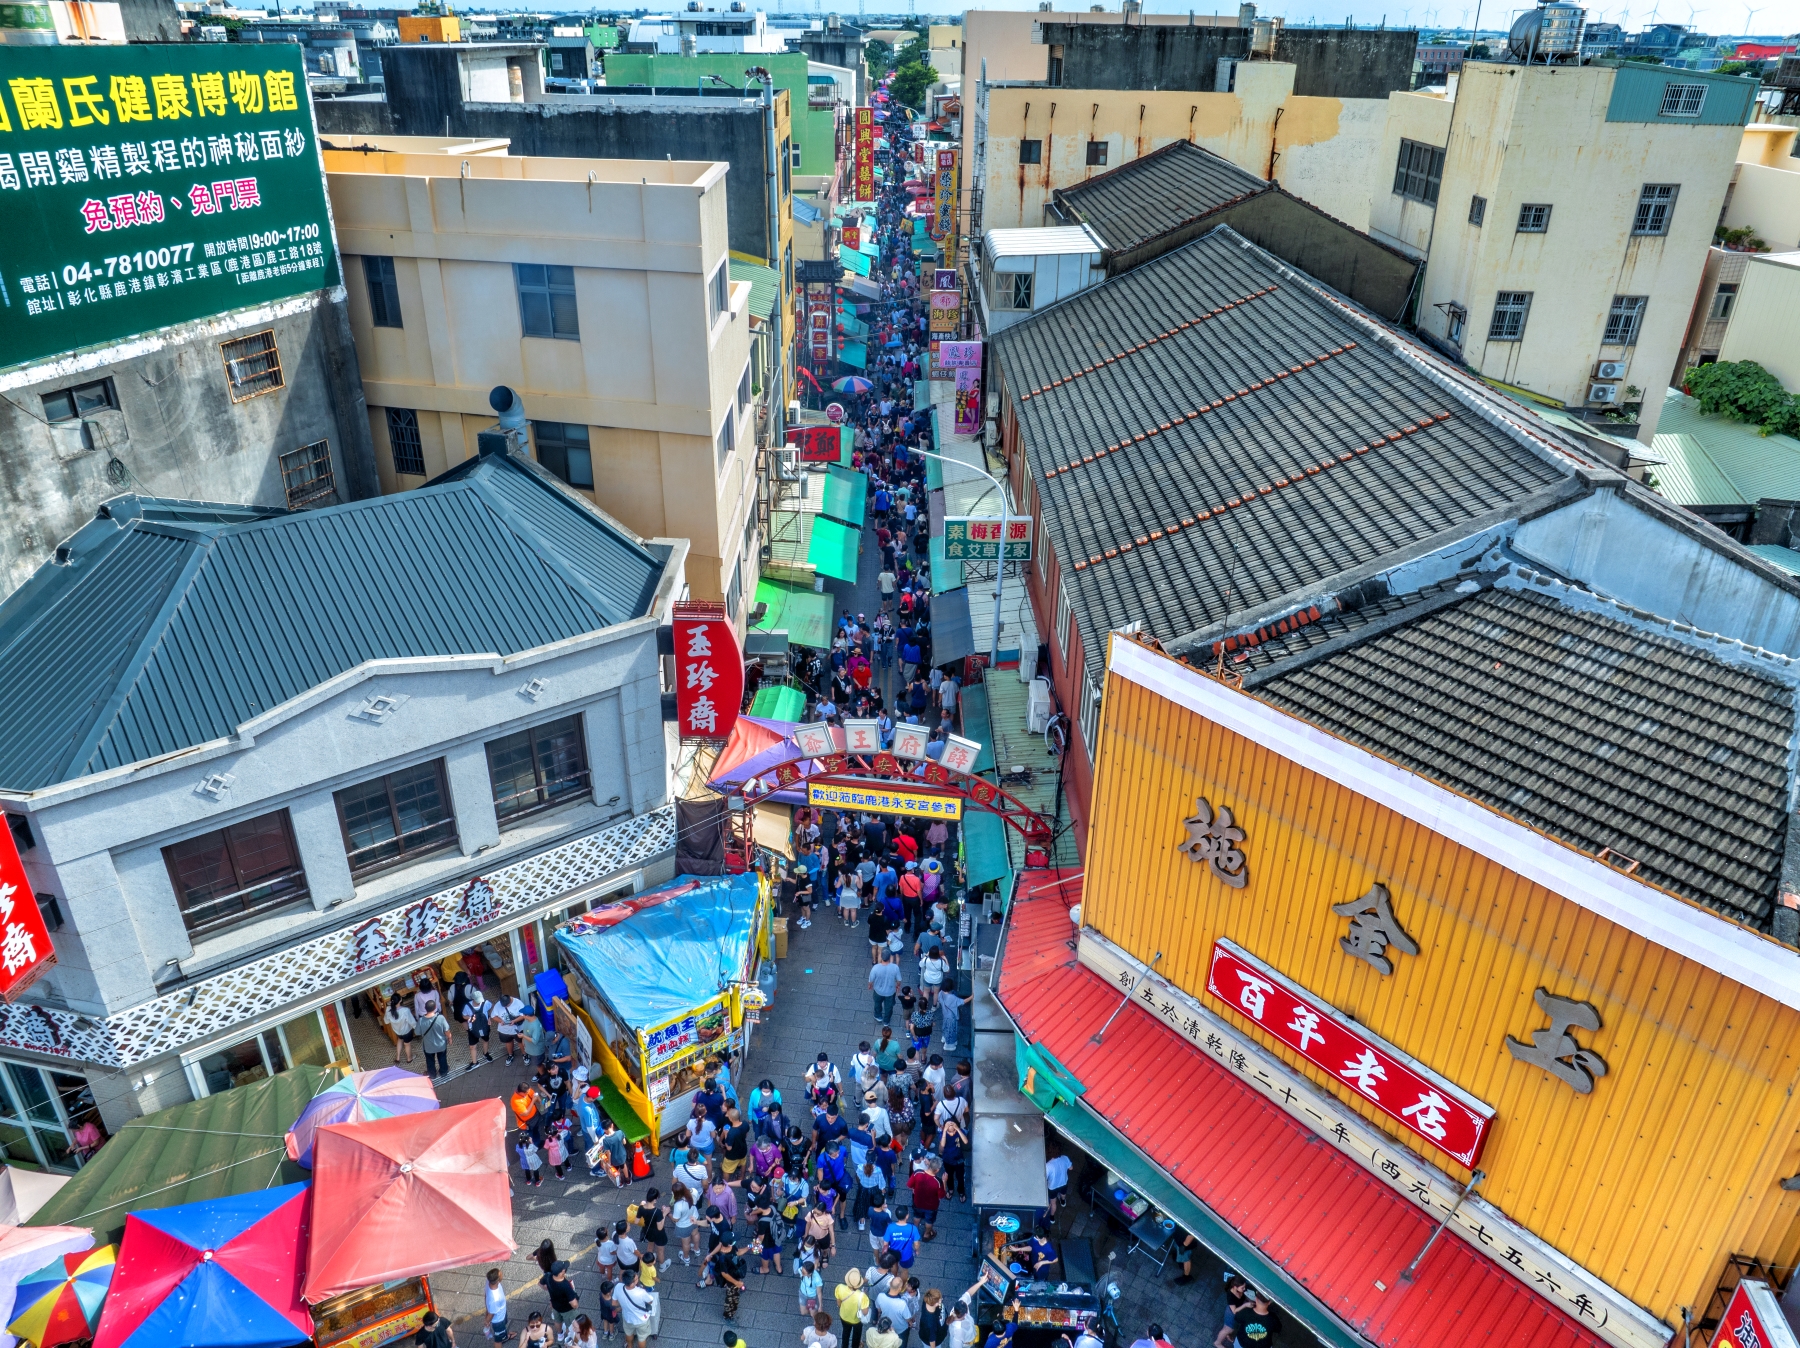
x,y
864,161
144,186
673,1039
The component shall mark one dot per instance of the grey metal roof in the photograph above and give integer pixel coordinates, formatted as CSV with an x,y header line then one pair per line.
x,y
1599,731
1153,194
169,624
1209,434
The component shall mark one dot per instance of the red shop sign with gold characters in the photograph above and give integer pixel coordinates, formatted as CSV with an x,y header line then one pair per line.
x,y
1418,1099
709,673
1753,1319
25,949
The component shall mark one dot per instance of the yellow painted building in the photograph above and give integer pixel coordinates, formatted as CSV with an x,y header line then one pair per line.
x,y
1765,189
600,290
1671,1163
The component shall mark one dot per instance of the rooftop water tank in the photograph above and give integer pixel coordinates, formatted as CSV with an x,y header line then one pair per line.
x,y
1548,33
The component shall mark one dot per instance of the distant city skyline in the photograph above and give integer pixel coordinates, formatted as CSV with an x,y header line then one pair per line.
x,y
1724,17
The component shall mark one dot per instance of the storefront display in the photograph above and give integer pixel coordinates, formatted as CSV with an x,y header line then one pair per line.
x,y
666,978
374,1315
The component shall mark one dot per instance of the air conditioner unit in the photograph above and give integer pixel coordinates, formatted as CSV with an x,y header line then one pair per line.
x,y
787,465
1609,369
1603,393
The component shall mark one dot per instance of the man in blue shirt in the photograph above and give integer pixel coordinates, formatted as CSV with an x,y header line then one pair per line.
x,y
885,879
903,1239
860,1140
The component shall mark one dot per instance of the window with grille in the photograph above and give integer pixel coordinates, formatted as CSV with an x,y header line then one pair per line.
x,y
252,365
1723,298
306,474
1534,219
1624,320
1096,152
564,449
400,817
1419,172
537,768
236,872
1477,210
1656,203
547,301
384,291
1090,715
1682,100
1065,613
1017,286
1508,323
1031,152
404,442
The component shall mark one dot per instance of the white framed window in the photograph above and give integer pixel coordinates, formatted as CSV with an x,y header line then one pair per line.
x,y
743,400
1625,320
1723,298
1457,319
718,294
1042,545
1065,612
727,439
1016,290
734,592
1682,100
1510,310
1656,203
1090,714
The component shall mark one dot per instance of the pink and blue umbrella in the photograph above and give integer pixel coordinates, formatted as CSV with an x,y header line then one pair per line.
x,y
380,1094
852,384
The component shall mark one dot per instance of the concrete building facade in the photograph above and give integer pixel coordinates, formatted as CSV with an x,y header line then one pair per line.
x,y
607,304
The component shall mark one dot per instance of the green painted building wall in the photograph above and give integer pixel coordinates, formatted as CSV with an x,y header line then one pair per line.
x,y
815,130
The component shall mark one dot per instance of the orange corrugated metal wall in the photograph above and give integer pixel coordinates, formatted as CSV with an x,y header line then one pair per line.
x,y
1668,1167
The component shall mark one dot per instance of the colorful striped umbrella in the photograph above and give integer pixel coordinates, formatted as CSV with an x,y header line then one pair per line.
x,y
60,1303
852,384
357,1098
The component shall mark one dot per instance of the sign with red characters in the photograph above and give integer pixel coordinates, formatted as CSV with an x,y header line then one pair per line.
x,y
25,949
709,673
1418,1099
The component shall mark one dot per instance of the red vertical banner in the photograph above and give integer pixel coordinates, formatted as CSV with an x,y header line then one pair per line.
x,y
25,949
865,154
709,673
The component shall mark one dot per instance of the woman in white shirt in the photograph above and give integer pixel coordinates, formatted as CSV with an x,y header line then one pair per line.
x,y
684,1214
932,970
400,1020
583,1334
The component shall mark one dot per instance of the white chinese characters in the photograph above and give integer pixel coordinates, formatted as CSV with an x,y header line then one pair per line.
x,y
18,948
1254,995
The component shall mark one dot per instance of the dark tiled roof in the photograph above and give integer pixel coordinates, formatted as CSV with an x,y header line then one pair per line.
x,y
1598,731
1138,201
172,623
1208,434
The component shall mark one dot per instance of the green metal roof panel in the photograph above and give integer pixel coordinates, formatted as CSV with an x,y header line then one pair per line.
x,y
765,285
229,1143
156,636
1688,476
1759,467
846,495
1638,96
834,548
803,614
1016,747
790,536
1776,555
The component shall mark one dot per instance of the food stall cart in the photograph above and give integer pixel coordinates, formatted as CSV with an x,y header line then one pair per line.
x,y
1006,1172
372,1315
669,980
1042,1312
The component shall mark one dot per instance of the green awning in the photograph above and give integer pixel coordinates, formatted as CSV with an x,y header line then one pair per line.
x,y
803,614
855,353
1095,1136
765,285
977,725
778,702
854,260
853,326
846,495
229,1143
946,572
846,445
834,549
984,848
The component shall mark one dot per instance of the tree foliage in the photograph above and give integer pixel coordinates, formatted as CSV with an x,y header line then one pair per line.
x,y
879,57
1744,391
910,83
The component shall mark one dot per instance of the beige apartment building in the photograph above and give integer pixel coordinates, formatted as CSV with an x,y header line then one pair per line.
x,y
600,290
1765,188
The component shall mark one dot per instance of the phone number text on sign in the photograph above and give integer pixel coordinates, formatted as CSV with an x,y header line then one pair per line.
x,y
1432,1108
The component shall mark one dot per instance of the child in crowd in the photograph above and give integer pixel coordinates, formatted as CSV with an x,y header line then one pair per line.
x,y
530,1161
812,1287
609,1311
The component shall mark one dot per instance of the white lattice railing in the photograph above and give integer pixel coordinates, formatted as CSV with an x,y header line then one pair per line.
x,y
400,936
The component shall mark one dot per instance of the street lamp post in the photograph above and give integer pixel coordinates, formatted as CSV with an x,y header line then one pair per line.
x,y
1000,562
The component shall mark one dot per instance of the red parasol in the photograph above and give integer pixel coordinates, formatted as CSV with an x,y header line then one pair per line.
x,y
394,1198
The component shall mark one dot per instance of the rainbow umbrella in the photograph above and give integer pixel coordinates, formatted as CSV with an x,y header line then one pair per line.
x,y
60,1303
358,1097
852,384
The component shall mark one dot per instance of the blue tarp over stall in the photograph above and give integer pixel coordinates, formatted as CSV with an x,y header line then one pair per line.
x,y
667,950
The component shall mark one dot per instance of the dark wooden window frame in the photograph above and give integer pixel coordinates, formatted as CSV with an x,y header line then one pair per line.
x,y
437,836
287,885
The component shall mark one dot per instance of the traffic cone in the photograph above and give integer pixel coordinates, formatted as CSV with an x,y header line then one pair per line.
x,y
640,1163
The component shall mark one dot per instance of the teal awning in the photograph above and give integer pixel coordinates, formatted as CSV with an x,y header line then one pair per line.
x,y
846,495
834,549
846,445
852,326
984,848
854,260
977,725
1093,1135
855,353
946,572
803,614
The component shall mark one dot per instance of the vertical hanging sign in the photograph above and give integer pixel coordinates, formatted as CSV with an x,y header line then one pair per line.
x,y
865,154
943,205
25,949
709,673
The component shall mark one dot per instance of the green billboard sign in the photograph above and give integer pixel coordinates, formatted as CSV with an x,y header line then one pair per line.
x,y
974,539
147,186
